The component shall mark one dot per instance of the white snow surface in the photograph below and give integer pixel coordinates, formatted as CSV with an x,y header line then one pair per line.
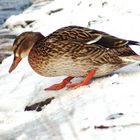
x,y
73,114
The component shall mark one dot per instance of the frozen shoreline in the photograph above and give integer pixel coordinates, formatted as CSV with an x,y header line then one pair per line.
x,y
72,114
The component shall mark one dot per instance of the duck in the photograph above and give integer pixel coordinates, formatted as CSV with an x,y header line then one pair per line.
x,y
73,51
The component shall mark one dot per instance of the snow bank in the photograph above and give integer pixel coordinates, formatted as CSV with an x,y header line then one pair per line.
x,y
107,109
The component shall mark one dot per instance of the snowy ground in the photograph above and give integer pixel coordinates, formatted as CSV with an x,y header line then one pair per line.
x,y
107,109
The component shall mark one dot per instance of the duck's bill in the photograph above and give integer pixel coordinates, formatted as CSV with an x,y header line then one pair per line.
x,y
15,63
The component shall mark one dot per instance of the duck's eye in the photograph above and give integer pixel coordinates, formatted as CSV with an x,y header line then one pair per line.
x,y
17,45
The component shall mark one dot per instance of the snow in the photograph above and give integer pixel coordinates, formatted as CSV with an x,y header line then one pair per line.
x,y
74,114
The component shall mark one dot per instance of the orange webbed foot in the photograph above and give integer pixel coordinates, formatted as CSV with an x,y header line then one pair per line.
x,y
75,85
86,81
55,87
61,84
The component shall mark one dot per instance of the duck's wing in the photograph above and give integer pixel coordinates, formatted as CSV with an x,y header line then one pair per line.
x,y
90,36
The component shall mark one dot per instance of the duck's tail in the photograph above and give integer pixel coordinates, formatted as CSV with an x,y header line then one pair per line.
x,y
134,58
133,43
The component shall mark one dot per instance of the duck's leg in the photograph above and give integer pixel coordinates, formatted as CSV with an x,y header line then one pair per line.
x,y
60,85
84,82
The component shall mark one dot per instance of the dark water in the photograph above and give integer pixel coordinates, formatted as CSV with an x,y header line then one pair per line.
x,y
12,7
8,8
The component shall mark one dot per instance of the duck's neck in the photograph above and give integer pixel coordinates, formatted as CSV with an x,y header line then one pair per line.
x,y
38,37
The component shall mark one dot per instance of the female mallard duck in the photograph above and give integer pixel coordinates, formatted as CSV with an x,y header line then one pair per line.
x,y
73,51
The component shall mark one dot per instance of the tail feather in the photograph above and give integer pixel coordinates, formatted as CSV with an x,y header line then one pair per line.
x,y
133,43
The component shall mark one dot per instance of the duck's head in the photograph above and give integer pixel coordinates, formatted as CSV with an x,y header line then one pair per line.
x,y
22,46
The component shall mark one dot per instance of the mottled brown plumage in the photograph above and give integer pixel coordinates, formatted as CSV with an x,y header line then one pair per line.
x,y
74,51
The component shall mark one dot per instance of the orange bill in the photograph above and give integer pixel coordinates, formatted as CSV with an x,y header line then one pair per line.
x,y
15,63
